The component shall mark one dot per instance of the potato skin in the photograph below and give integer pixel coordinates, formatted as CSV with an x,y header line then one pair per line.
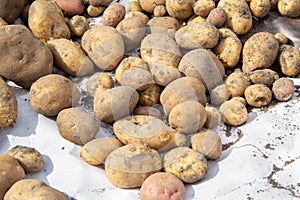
x,y
289,8
289,60
113,14
95,11
10,10
99,2
258,95
236,83
138,14
180,9
283,89
234,112
216,17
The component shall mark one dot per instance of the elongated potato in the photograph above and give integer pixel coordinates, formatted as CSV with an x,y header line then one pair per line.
x,y
289,60
264,76
113,14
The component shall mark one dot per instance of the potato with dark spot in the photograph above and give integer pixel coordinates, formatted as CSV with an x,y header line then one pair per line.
x,y
216,17
283,89
180,9
150,96
163,25
78,25
95,11
113,14
258,95
264,76
234,112
289,8
213,118
99,81
236,83
260,8
147,110
10,10
289,60
203,7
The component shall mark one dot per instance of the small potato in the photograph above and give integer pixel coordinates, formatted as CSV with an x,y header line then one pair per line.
x,y
95,151
95,11
207,142
10,10
134,5
289,60
130,165
30,159
162,186
113,14
283,89
160,11
289,8
116,103
11,172
78,25
137,78
2,22
163,25
99,81
77,125
147,110
140,15
282,39
52,93
150,96
180,117
264,76
260,8
185,163
258,95
213,118
216,17
203,7
33,189
180,9
236,83
234,112
147,5
219,95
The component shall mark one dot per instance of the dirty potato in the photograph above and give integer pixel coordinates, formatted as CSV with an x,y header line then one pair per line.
x,y
216,17
219,95
180,9
78,25
99,81
10,10
147,110
260,8
95,11
165,25
203,7
289,8
150,96
236,83
264,76
258,95
289,60
113,14
137,78
234,112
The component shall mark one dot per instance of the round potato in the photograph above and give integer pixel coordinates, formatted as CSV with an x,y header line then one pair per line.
x,y
164,74
260,8
52,93
163,25
129,165
116,103
213,118
163,186
99,81
289,60
78,25
289,8
236,83
113,14
264,76
95,11
137,78
10,10
95,151
30,159
234,112
150,96
180,9
283,89
77,125
203,7
258,95
147,5
138,14
216,17
147,110
160,11
282,39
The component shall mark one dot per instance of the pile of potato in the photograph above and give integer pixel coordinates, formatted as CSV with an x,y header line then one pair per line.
x,y
164,75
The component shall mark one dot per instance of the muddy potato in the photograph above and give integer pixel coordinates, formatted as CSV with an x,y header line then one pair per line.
x,y
259,52
113,14
105,46
150,96
11,172
52,93
213,118
164,25
282,39
33,189
147,5
260,8
129,165
46,20
219,95
99,2
95,11
197,35
236,83
264,76
196,18
147,110
289,8
180,90
258,95
181,120
234,112
160,11
289,60
238,15
283,89
78,25
180,9
229,48
95,151
203,7
99,81
140,15
164,74
207,142
137,78
77,125
216,17
30,159
8,105
10,10
163,186
185,163
116,103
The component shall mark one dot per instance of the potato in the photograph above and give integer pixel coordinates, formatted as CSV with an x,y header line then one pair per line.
x,y
95,151
77,125
137,78
46,20
147,110
229,48
213,118
234,112
185,163
260,8
203,65
52,93
113,14
150,96
197,35
132,30
203,7
180,90
180,9
8,105
2,22
160,11
140,15
99,81
283,89
216,17
147,5
264,76
289,60
282,39
259,52
71,7
236,83
104,45
164,74
289,8
70,58
219,95
130,165
11,172
78,25
95,11
164,25
163,186
134,5
99,2
238,15
180,117
10,10
33,189
207,142
24,58
258,95
116,103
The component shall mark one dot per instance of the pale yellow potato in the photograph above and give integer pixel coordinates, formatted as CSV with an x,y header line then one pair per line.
x,y
234,112
289,60
260,8
160,11
236,83
138,14
289,8
264,76
78,25
180,9
258,95
282,39
203,7
99,81
95,11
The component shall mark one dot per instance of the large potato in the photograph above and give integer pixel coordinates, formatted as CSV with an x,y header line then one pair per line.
x,y
23,58
260,51
8,105
52,93
238,13
130,165
164,25
116,103
10,10
105,46
33,189
289,8
180,9
69,57
289,60
46,20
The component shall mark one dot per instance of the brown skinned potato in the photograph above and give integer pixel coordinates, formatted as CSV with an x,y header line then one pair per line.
x,y
10,10
180,9
113,14
289,60
99,81
283,89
